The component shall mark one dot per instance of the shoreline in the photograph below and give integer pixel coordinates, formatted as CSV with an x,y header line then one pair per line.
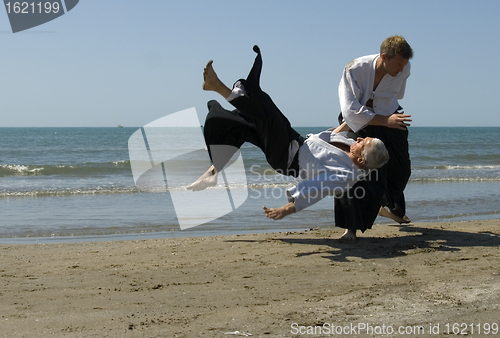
x,y
152,235
216,232
263,284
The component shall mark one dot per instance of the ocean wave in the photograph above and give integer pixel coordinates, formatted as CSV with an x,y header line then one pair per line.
x,y
455,179
121,163
129,190
69,192
456,167
82,169
162,188
21,170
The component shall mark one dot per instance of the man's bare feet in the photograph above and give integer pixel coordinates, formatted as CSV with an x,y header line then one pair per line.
x,y
349,235
209,76
386,213
281,212
211,81
208,179
406,219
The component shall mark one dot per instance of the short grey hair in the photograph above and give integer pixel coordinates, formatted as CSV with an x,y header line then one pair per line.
x,y
376,155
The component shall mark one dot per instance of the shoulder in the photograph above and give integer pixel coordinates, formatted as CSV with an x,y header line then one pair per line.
x,y
362,62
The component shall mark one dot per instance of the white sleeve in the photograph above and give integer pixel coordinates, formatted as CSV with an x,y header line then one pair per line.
x,y
309,192
354,113
237,91
401,93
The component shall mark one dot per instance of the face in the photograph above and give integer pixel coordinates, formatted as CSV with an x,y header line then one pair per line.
x,y
395,65
359,146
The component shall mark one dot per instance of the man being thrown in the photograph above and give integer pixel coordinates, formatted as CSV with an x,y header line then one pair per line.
x,y
328,162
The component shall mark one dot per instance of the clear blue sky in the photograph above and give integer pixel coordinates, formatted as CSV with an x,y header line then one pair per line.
x,y
130,62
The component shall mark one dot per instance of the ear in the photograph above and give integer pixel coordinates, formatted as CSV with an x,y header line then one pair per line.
x,y
361,161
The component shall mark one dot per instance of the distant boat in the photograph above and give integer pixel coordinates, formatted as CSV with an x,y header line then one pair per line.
x,y
119,126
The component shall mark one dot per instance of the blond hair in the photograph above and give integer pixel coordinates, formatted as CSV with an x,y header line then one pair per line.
x,y
396,45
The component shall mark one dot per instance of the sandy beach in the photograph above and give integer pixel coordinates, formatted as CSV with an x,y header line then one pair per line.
x,y
425,279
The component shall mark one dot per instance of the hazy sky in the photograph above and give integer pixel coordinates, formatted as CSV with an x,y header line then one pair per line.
x,y
131,62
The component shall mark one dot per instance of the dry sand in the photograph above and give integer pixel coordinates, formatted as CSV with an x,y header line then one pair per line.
x,y
268,285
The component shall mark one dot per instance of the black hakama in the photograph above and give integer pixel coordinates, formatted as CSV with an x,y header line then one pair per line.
x,y
257,120
383,187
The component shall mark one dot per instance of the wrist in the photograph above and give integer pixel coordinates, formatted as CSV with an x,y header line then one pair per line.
x,y
290,208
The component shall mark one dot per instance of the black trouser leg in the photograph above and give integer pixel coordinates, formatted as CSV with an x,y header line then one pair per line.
x,y
256,120
385,190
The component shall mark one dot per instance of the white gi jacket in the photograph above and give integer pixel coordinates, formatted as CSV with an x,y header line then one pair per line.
x,y
326,170
356,88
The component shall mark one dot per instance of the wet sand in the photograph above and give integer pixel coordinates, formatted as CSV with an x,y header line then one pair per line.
x,y
268,285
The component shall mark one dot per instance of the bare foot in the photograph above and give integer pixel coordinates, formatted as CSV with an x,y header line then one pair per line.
x,y
208,179
386,213
281,212
209,76
212,82
349,235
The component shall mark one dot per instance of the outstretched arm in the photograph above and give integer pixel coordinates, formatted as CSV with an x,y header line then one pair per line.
x,y
281,212
341,128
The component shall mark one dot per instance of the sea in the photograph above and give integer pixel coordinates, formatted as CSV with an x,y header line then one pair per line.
x,y
79,184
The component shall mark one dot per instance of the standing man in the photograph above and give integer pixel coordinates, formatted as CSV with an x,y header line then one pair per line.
x,y
369,92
